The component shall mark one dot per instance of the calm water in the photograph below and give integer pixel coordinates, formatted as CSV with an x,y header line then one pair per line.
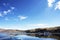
x,y
26,37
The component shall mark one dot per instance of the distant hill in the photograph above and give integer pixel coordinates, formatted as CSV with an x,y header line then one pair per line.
x,y
11,31
42,30
37,30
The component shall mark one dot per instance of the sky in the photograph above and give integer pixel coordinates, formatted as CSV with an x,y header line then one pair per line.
x,y
29,14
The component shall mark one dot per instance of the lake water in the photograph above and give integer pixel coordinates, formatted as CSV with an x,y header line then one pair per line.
x,y
25,37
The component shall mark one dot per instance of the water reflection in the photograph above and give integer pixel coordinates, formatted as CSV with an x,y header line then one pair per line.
x,y
25,37
44,36
28,37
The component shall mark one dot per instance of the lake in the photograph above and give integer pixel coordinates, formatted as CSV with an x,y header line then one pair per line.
x,y
26,37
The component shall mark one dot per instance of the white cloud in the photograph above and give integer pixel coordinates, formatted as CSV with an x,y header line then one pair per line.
x,y
50,3
27,26
9,10
22,17
57,5
5,12
33,26
39,25
12,8
1,15
5,4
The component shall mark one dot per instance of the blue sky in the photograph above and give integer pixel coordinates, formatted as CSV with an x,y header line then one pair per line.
x,y
29,14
